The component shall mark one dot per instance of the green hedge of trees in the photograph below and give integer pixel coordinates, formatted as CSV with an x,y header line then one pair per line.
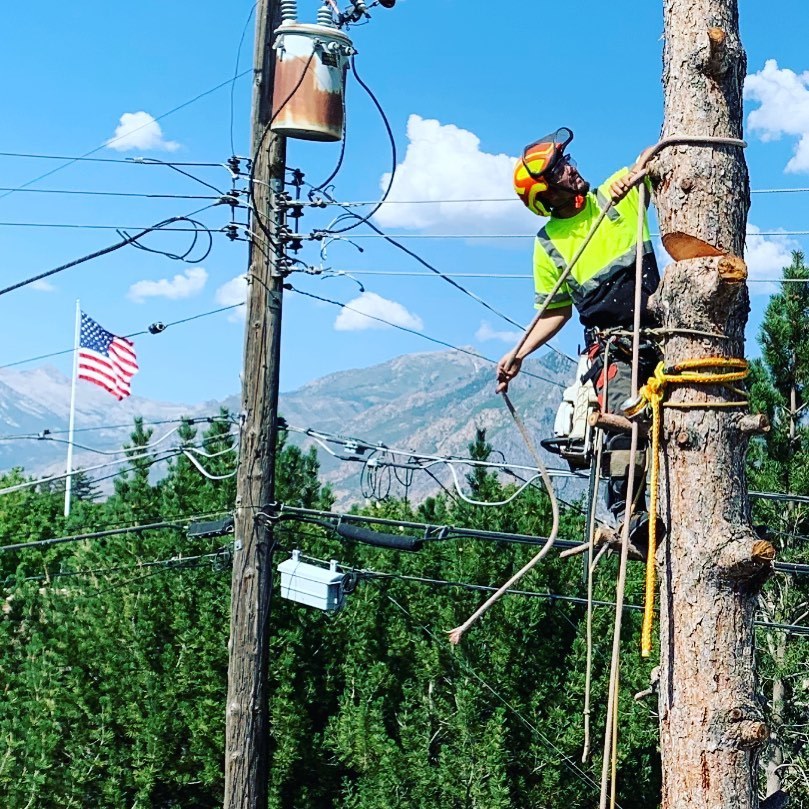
x,y
113,650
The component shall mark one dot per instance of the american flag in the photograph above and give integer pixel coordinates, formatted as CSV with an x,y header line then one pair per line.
x,y
105,359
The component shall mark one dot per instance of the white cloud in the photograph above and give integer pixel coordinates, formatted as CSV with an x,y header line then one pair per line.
x,y
444,162
766,256
783,96
231,293
190,283
486,333
139,130
43,286
369,303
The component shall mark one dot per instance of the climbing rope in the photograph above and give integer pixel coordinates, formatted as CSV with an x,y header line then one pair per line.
x,y
592,559
609,762
688,372
456,634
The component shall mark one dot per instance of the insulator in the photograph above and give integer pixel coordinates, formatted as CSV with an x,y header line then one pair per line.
x,y
289,10
325,17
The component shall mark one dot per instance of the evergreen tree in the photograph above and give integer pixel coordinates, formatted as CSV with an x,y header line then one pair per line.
x,y
779,462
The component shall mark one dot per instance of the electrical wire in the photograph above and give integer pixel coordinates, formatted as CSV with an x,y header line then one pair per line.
x,y
160,422
236,76
495,236
509,200
170,165
104,251
175,561
496,276
108,143
203,471
365,574
158,458
381,234
90,193
413,331
77,445
132,334
129,161
252,180
132,529
394,158
83,226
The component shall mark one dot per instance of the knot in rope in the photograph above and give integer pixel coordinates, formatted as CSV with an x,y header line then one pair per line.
x,y
707,371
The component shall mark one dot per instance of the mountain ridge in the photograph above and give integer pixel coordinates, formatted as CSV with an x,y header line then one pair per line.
x,y
428,402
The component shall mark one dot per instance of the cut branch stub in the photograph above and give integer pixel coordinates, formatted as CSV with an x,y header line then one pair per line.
x,y
754,423
717,62
745,559
682,245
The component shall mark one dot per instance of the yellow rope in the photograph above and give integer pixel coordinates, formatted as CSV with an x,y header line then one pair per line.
x,y
688,372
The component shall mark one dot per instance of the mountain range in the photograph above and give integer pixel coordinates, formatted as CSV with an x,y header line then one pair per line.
x,y
427,403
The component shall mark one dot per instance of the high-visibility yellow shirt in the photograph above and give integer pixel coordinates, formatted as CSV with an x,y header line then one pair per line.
x,y
602,283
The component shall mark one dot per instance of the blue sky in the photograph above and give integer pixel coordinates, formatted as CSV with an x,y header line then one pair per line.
x,y
464,90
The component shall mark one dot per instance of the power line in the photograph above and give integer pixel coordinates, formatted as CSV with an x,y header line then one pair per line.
x,y
82,226
153,458
129,161
180,522
510,200
236,75
111,248
108,143
89,193
417,333
173,562
132,529
483,236
48,432
494,276
132,334
391,140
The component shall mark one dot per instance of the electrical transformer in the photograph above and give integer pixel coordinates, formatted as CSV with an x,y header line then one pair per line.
x,y
312,585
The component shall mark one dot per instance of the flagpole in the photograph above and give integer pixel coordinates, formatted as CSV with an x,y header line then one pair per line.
x,y
71,424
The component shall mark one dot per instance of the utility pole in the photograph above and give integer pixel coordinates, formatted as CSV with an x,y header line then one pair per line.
x,y
247,718
712,566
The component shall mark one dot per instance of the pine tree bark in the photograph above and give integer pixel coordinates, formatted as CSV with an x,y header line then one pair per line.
x,y
710,724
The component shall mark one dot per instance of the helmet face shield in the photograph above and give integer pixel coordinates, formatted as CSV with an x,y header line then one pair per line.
x,y
540,162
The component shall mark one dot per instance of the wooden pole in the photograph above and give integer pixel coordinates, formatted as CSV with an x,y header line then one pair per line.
x,y
247,716
711,725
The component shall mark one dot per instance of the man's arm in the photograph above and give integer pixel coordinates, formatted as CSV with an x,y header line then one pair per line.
x,y
621,187
544,329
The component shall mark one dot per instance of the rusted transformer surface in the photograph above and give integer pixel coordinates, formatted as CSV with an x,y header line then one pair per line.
x,y
310,71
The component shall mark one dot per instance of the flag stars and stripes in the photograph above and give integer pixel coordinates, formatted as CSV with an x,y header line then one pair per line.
x,y
105,359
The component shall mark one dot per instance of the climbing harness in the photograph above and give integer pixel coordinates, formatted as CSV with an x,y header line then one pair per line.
x,y
707,371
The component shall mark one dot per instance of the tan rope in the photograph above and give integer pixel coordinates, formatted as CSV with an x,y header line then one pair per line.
x,y
456,634
610,737
591,563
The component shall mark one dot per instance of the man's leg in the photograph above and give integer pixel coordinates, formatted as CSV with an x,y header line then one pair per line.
x,y
616,382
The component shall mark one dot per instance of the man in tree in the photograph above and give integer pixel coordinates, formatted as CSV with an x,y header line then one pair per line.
x,y
601,285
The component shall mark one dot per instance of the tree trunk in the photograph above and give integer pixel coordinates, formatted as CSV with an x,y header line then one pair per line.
x,y
710,724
